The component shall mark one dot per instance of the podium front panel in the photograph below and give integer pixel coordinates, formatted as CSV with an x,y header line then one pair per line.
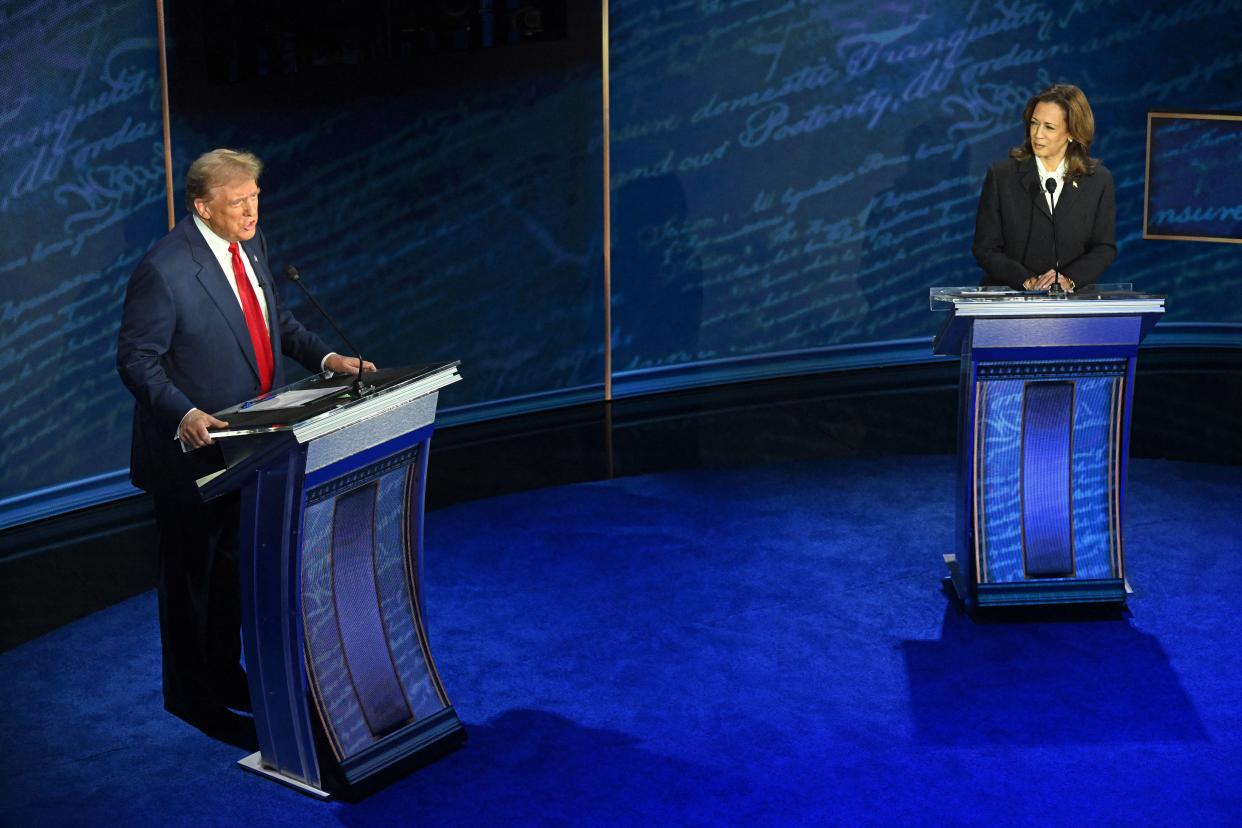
x,y
373,683
342,683
1045,389
367,653
1046,507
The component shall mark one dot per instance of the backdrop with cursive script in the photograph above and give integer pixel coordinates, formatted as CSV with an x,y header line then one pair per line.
x,y
442,206
788,179
81,199
792,177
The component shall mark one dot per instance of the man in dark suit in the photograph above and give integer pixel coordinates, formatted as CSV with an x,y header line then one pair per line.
x,y
1014,241
203,329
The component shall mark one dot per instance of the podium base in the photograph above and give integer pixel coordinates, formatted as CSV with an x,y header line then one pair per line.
x,y
957,579
1035,592
254,764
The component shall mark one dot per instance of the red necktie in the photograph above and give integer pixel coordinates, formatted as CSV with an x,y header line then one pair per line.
x,y
259,339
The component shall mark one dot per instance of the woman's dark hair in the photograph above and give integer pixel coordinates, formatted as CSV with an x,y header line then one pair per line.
x,y
1079,121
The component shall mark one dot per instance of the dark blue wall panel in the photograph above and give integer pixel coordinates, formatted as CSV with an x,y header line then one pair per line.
x,y
81,199
794,176
788,179
442,208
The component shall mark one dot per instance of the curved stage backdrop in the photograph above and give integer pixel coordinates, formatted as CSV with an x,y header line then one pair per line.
x,y
787,181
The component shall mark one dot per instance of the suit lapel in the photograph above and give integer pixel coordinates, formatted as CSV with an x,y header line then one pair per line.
x,y
216,285
1069,197
1028,176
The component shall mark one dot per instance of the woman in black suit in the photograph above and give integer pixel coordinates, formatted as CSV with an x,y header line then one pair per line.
x,y
1014,240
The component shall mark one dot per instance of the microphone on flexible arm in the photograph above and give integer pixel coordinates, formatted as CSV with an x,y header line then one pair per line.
x,y
291,273
1051,186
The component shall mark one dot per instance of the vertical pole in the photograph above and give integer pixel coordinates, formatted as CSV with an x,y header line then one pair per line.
x,y
607,254
607,223
163,48
1147,176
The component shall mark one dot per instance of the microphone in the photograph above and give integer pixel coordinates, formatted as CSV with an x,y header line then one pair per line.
x,y
1051,186
291,273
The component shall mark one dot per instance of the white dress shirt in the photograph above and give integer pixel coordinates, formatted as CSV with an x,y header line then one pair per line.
x,y
220,248
1058,175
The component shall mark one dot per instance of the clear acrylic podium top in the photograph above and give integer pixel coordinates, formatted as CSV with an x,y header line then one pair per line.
x,y
993,300
324,402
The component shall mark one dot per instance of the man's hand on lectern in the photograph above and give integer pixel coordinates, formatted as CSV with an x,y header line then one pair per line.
x,y
193,429
346,365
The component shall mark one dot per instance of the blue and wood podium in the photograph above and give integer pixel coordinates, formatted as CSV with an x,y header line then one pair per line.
x,y
342,683
1046,384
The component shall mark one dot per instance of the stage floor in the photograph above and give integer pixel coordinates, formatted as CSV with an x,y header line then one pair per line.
x,y
758,644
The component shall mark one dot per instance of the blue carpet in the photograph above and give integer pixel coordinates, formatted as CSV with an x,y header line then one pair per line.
x,y
747,646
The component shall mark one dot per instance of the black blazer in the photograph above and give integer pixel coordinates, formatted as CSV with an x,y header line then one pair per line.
x,y
1013,230
183,343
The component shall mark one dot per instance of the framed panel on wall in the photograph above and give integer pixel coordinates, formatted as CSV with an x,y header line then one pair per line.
x,y
1193,192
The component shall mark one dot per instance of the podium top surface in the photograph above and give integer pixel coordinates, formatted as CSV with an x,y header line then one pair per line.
x,y
325,402
1099,300
1077,319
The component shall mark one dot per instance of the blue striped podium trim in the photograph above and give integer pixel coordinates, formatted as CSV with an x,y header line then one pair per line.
x,y
1047,449
1053,591
363,636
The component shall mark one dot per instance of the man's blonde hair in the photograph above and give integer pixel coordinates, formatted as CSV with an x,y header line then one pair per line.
x,y
220,166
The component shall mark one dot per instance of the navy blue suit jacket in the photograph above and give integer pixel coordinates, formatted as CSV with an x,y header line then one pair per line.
x,y
184,344
1013,229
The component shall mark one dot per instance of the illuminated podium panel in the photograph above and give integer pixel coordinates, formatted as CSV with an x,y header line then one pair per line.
x,y
343,686
1046,384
